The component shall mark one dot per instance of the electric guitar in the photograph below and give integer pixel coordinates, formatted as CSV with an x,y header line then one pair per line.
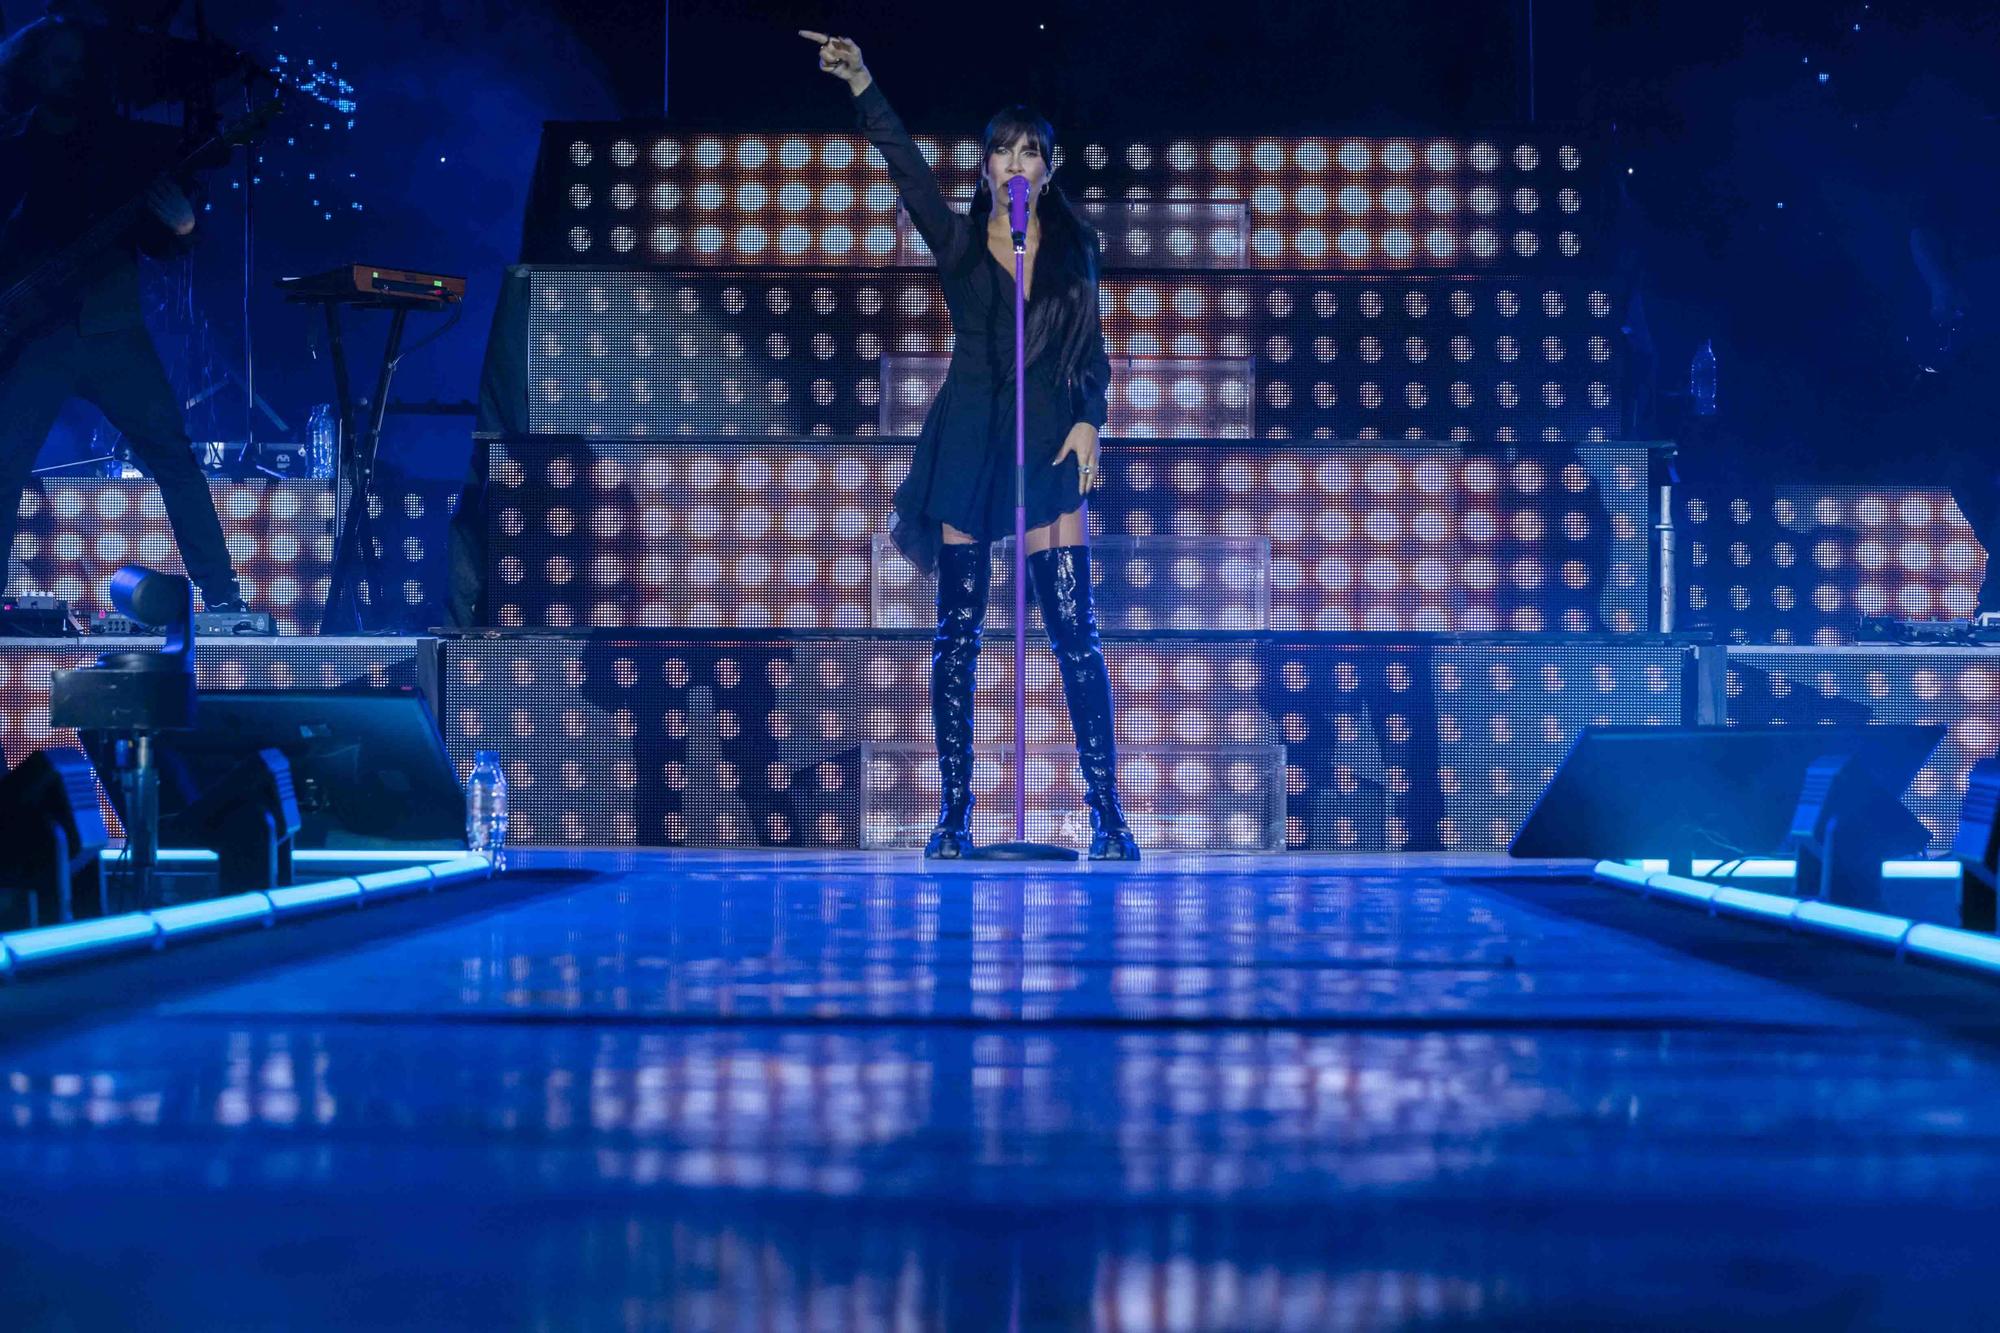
x,y
50,288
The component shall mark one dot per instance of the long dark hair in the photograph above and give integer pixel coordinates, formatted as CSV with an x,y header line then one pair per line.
x,y
1066,263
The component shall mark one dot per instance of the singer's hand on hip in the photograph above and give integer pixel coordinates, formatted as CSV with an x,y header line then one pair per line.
x,y
839,57
1082,441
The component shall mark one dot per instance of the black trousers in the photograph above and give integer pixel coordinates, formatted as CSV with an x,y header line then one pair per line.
x,y
120,374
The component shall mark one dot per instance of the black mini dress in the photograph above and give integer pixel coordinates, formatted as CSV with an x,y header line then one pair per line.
x,y
963,469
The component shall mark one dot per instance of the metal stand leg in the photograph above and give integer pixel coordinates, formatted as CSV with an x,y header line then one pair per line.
x,y
140,778
1021,849
354,554
1669,550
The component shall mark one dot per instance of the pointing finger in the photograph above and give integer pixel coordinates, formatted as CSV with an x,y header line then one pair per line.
x,y
819,37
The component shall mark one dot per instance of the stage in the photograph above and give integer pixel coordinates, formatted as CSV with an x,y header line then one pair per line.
x,y
502,907
852,1090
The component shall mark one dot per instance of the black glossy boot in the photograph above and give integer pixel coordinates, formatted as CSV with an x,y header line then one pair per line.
x,y
1062,585
963,575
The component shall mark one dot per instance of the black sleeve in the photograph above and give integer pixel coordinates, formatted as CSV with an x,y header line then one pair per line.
x,y
1093,383
945,230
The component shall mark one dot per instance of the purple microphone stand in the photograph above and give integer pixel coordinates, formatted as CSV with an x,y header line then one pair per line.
x,y
1021,849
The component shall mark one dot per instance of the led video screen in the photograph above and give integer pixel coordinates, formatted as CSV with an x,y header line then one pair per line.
x,y
755,534
803,740
1802,564
76,531
644,195
658,354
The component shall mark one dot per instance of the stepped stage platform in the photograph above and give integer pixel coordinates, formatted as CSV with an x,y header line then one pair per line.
x,y
1228,741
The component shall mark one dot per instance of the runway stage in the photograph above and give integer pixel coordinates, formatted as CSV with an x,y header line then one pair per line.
x,y
710,1089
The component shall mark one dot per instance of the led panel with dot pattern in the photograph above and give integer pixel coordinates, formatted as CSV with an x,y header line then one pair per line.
x,y
716,534
1802,564
717,740
76,531
646,195
803,353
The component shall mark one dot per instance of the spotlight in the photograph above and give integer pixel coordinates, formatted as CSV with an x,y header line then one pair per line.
x,y
133,696
1846,824
51,824
248,818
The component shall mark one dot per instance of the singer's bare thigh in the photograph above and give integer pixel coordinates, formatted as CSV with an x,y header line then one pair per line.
x,y
1071,529
1068,530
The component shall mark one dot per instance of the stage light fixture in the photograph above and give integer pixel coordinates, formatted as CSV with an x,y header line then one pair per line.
x,y
248,816
1846,824
1976,846
53,829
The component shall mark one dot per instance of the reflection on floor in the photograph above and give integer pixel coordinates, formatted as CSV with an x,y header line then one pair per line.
x,y
846,1091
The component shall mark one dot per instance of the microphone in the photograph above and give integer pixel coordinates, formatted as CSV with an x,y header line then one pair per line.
x,y
1017,210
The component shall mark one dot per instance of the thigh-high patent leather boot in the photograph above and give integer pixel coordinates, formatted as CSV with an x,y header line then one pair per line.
x,y
963,574
1062,586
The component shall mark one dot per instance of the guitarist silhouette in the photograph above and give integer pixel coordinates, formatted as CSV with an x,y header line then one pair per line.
x,y
70,170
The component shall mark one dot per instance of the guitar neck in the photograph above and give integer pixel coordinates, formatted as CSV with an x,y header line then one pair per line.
x,y
58,269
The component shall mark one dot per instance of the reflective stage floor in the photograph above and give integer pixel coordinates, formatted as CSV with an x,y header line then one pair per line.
x,y
847,1091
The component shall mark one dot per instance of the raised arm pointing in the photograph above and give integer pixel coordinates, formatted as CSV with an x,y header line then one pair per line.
x,y
945,230
841,58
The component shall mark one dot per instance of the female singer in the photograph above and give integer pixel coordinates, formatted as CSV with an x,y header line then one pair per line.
x,y
959,495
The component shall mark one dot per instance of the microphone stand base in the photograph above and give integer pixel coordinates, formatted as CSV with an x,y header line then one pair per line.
x,y
1023,851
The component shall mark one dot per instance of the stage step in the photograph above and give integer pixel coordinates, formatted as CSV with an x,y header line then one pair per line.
x,y
76,531
751,534
645,193
696,739
617,352
1153,397
1802,564
786,720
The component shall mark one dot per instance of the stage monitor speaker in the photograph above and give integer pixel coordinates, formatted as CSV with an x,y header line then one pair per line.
x,y
1680,793
368,770
1976,846
52,830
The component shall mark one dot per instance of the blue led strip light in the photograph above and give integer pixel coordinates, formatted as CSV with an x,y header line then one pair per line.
x,y
1943,944
74,941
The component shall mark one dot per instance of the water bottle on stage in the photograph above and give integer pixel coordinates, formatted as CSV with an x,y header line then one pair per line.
x,y
486,808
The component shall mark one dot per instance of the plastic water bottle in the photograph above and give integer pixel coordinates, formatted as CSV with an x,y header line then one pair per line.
x,y
486,808
323,441
1701,379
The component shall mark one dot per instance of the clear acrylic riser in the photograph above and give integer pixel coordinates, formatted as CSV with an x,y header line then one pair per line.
x,y
1152,396
1137,583
1176,797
